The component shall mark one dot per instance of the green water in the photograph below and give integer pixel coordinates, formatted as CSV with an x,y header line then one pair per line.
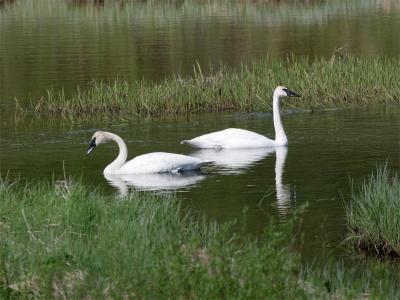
x,y
60,44
325,150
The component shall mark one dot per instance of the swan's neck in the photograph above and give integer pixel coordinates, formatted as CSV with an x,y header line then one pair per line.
x,y
280,136
123,153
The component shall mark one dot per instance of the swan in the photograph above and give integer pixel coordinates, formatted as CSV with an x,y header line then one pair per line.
x,y
156,162
239,138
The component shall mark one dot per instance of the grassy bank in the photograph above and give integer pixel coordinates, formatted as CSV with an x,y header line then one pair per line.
x,y
322,83
70,241
374,214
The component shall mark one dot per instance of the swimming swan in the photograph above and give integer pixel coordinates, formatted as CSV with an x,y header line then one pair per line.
x,y
156,162
239,138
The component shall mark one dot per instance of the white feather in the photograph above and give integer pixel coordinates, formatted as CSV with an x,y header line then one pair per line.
x,y
233,138
156,162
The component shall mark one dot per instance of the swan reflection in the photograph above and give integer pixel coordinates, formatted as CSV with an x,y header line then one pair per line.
x,y
283,194
233,161
153,181
229,161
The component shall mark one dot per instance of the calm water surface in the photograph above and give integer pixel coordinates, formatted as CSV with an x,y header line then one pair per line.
x,y
60,44
325,150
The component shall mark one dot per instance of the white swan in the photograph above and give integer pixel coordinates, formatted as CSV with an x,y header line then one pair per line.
x,y
156,162
238,138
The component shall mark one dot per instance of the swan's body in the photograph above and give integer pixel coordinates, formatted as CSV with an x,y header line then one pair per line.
x,y
156,162
232,138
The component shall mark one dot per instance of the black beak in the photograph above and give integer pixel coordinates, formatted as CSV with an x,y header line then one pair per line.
x,y
91,146
291,94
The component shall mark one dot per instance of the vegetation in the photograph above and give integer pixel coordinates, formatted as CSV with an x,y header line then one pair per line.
x,y
69,241
335,83
374,214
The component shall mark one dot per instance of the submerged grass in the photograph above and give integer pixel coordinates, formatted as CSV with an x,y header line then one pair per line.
x,y
374,214
69,241
323,83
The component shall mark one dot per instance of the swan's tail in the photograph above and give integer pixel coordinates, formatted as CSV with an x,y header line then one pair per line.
x,y
190,143
201,144
185,142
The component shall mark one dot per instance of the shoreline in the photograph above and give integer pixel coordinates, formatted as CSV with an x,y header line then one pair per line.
x,y
323,84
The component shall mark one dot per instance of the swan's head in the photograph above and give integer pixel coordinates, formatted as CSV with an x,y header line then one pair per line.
x,y
98,138
282,91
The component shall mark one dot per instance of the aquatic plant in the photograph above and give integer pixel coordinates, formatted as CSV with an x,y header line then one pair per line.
x,y
323,83
68,240
373,215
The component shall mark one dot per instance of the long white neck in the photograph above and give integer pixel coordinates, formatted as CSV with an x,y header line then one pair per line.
x,y
280,136
123,153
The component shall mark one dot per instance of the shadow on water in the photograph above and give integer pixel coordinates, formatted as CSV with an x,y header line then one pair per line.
x,y
224,162
238,161
160,182
233,161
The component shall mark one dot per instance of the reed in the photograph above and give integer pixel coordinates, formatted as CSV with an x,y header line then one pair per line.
x,y
339,82
373,215
67,240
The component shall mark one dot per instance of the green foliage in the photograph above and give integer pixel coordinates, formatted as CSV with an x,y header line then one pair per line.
x,y
69,241
345,81
374,214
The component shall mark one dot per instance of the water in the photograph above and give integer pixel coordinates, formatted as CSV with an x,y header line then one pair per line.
x,y
326,149
60,44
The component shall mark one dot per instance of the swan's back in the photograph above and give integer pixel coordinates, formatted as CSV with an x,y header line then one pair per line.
x,y
230,138
161,162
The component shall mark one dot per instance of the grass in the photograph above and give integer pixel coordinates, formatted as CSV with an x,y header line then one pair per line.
x,y
323,83
67,240
374,214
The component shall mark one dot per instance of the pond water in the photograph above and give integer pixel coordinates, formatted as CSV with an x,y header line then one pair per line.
x,y
60,44
326,149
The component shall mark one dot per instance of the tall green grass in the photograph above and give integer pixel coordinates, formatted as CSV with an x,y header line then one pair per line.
x,y
322,83
70,241
374,214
